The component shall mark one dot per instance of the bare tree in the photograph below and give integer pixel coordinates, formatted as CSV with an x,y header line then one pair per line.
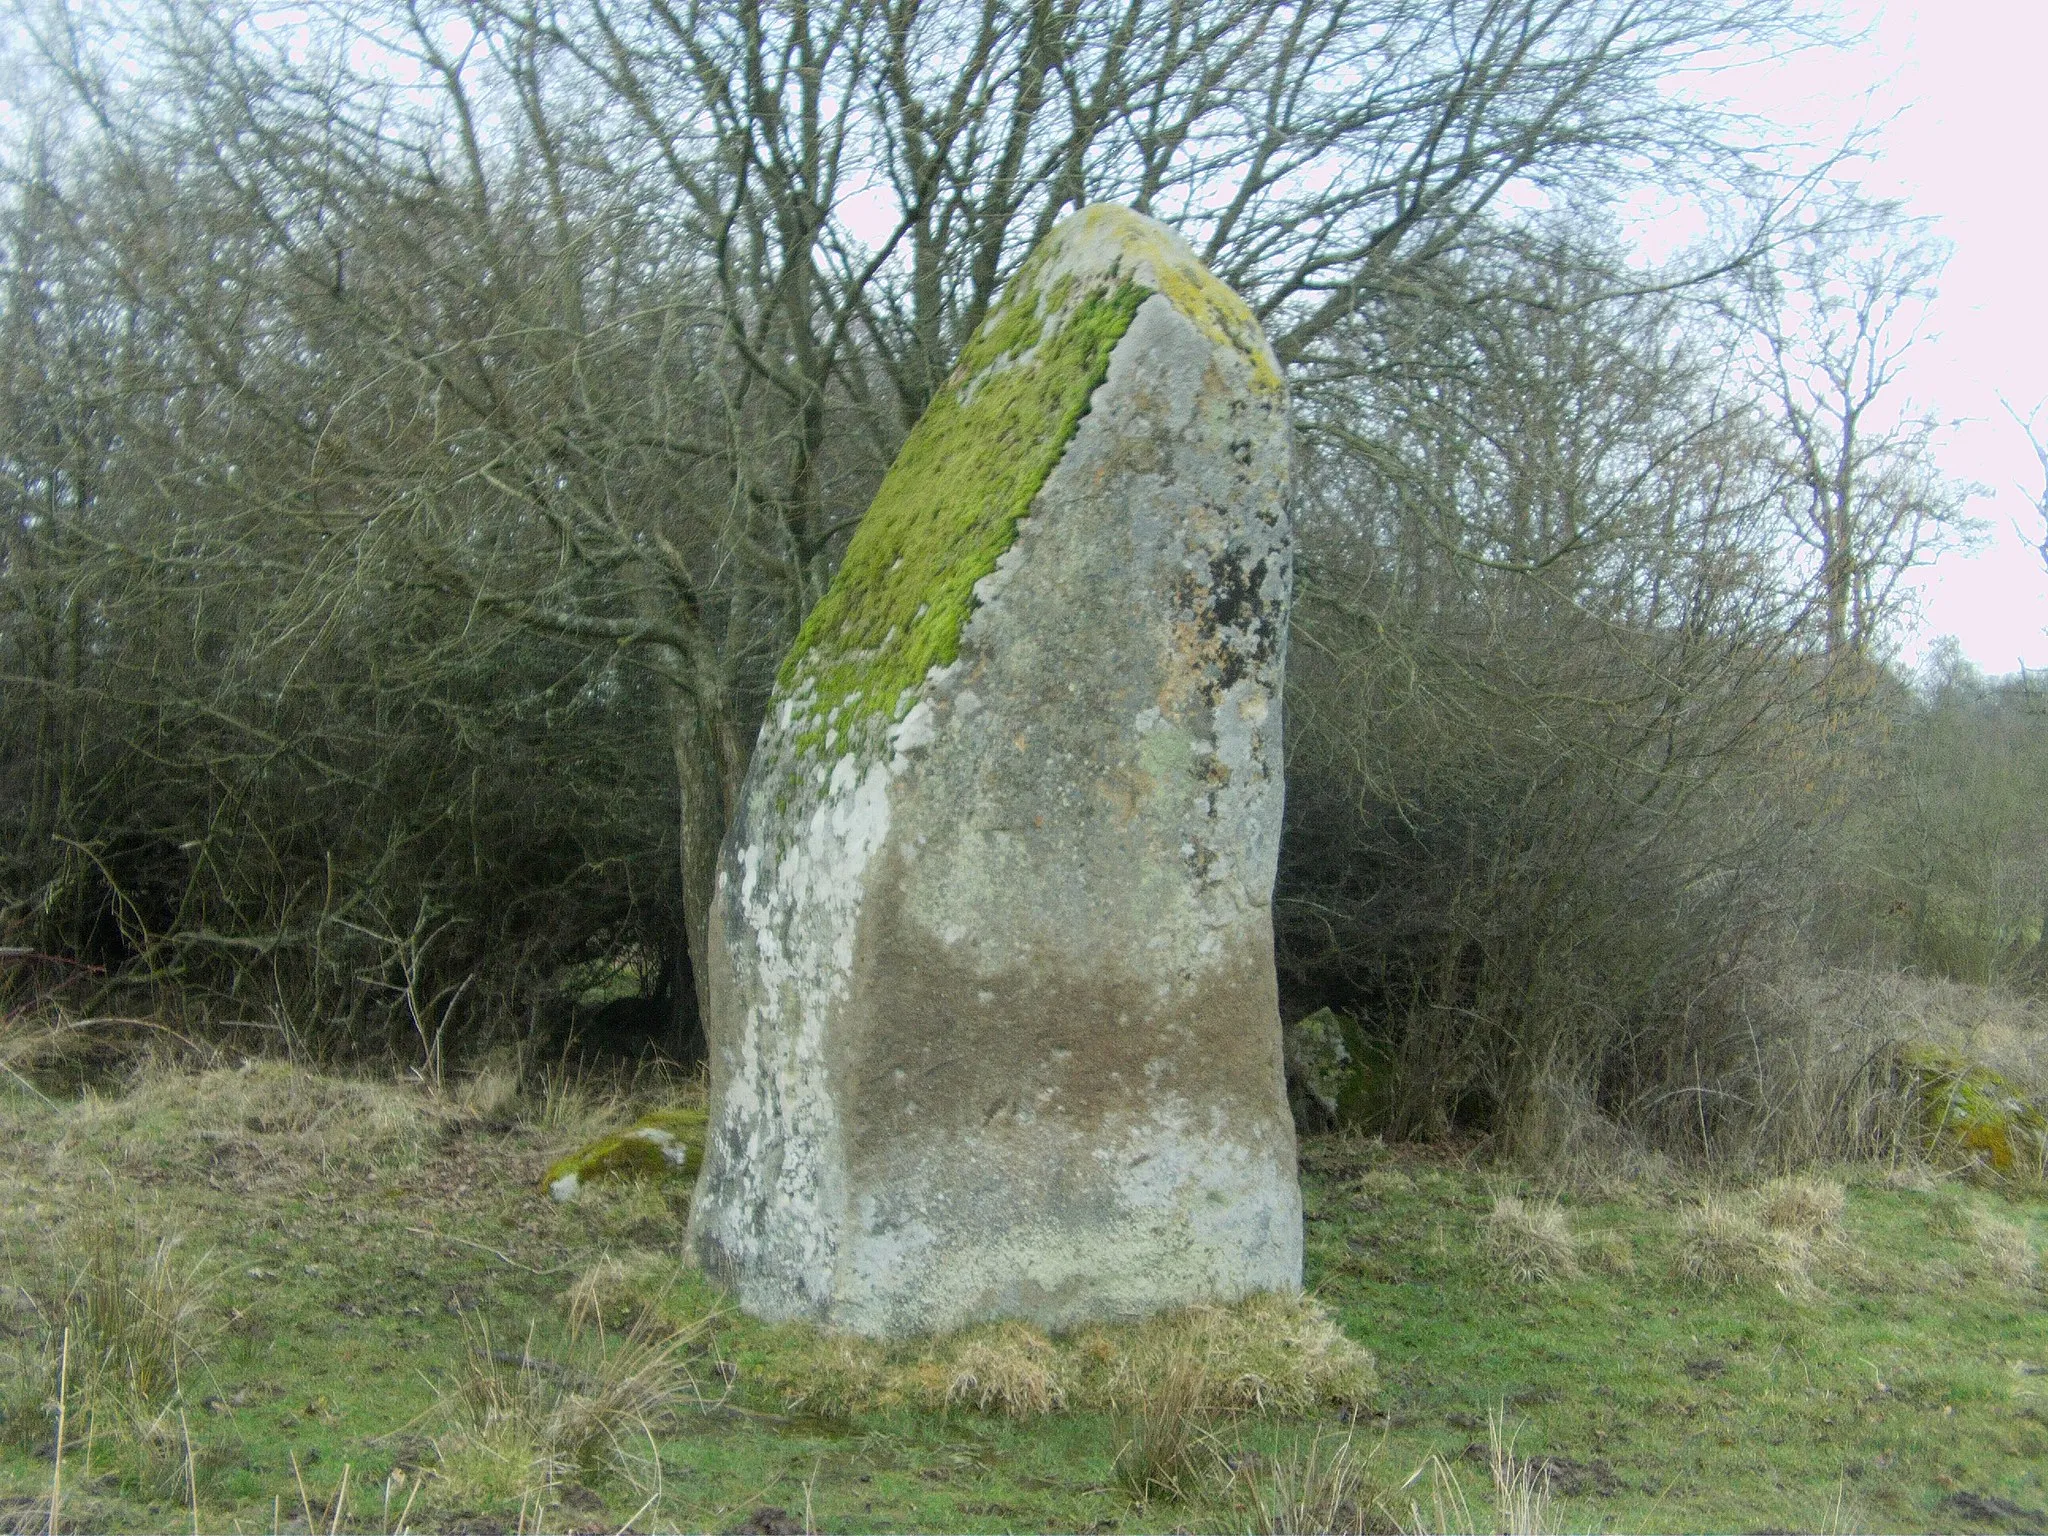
x,y
1839,315
1544,670
2028,425
603,322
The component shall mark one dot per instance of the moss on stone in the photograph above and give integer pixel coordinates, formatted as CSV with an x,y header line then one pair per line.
x,y
669,1142
1965,1108
1347,1073
949,506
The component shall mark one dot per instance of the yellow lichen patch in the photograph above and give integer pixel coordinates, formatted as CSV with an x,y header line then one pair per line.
x,y
1193,289
1966,1109
669,1141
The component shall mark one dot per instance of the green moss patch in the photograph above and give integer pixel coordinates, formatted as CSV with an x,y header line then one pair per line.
x,y
950,504
1965,1108
667,1143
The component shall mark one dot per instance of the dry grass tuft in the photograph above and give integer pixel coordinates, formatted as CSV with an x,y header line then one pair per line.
x,y
268,1117
1612,1253
839,1376
1520,1489
563,1104
1268,1354
1376,1184
1950,1214
1528,1243
491,1092
2004,1249
1805,1206
518,1429
1911,1176
1319,1487
1722,1243
1167,1450
123,1328
1010,1369
137,1315
616,1292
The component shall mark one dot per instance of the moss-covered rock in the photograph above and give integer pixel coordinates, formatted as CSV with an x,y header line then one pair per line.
x,y
1338,1076
1964,1108
1318,1068
667,1143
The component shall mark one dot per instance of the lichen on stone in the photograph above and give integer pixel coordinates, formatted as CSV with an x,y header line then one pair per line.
x,y
1195,291
669,1142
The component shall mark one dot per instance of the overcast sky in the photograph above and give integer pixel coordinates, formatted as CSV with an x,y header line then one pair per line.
x,y
1957,85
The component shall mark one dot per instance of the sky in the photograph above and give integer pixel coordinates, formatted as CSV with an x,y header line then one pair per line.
x,y
1954,89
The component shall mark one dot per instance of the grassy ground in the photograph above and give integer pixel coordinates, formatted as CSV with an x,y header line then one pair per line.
x,y
360,1270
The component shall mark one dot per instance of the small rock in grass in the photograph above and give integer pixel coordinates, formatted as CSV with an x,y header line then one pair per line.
x,y
1966,1109
667,1142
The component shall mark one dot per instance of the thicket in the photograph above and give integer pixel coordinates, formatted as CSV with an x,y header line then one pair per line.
x,y
426,427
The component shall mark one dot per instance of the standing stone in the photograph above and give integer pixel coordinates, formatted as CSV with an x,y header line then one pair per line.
x,y
993,1023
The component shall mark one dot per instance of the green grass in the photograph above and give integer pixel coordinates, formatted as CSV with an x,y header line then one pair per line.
x,y
358,1240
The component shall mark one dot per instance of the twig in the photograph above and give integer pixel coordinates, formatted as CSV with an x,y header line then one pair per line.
x,y
191,1472
408,1507
634,1517
36,954
486,1248
304,1503
63,1400
122,1018
31,1087
340,1502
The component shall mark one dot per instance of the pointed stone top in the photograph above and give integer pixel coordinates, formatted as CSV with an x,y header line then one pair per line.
x,y
950,504
1106,242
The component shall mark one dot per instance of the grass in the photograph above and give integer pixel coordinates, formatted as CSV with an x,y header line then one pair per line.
x,y
1723,1242
1325,1482
1529,1242
1166,1449
366,1317
519,1428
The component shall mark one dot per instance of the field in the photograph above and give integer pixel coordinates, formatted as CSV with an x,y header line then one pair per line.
x,y
301,1302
